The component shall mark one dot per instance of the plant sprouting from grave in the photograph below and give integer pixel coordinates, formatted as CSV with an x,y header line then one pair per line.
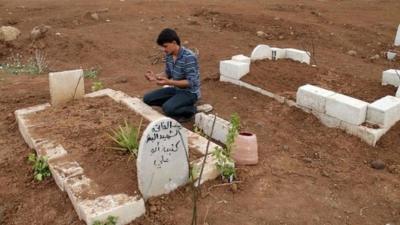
x,y
97,85
127,138
199,131
111,220
91,73
40,166
225,163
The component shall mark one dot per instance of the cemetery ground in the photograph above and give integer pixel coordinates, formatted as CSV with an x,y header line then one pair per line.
x,y
307,173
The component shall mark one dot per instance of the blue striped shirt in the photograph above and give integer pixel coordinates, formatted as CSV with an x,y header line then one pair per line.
x,y
185,67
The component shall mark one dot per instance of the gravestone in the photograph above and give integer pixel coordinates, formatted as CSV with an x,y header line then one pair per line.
x,y
397,38
162,162
66,86
261,52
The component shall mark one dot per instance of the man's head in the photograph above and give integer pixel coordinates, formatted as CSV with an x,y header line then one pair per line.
x,y
169,40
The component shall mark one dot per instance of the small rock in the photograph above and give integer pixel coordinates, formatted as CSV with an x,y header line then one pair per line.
x,y
395,169
281,37
324,173
186,42
307,160
153,209
277,18
285,147
391,55
234,188
39,32
352,53
9,33
261,34
95,16
108,20
378,164
374,57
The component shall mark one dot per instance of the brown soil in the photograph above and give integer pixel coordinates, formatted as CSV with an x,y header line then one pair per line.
x,y
307,174
284,77
83,128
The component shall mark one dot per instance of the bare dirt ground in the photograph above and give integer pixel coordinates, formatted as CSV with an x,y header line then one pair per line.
x,y
307,174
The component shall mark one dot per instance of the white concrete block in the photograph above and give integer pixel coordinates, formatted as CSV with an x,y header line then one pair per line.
x,y
50,150
346,108
205,123
66,86
142,108
278,53
368,135
398,93
61,171
125,208
100,93
210,170
391,77
313,97
241,58
261,52
397,39
384,112
233,69
298,55
198,143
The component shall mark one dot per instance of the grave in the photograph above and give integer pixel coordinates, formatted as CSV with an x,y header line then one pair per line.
x,y
88,191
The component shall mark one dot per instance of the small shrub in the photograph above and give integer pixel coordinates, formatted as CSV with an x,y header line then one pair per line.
x,y
91,73
127,137
111,220
34,65
97,85
40,167
225,163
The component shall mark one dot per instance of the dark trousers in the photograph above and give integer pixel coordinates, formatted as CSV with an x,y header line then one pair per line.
x,y
174,102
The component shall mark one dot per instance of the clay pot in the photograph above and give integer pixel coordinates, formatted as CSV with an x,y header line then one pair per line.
x,y
245,149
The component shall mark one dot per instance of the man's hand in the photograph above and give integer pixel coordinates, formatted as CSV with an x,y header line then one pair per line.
x,y
150,76
161,81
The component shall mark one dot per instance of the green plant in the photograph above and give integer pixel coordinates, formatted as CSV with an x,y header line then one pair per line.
x,y
111,220
97,85
127,137
91,73
40,167
199,131
225,163
34,65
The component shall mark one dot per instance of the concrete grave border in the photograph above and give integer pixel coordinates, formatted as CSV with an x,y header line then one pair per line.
x,y
317,103
70,177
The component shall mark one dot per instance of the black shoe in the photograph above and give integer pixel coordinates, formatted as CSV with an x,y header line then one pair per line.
x,y
184,119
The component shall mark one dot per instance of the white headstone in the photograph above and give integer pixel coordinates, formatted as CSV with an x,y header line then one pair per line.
x,y
261,52
162,162
66,86
397,39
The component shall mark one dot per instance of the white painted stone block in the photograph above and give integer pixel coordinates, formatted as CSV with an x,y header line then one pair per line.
x,y
233,69
278,53
61,171
397,39
391,77
125,208
346,108
205,123
384,112
162,162
66,86
241,58
398,93
261,52
313,97
142,108
210,170
198,143
298,55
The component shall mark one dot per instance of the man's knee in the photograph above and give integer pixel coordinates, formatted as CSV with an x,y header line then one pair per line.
x,y
147,99
168,109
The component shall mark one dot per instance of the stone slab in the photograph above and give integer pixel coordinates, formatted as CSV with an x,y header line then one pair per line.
x,y
63,170
384,112
162,162
125,208
346,108
278,53
261,52
210,171
233,69
397,38
142,108
298,55
391,77
313,97
66,86
241,58
205,123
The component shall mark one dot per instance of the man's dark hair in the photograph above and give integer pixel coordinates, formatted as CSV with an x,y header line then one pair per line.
x,y
168,36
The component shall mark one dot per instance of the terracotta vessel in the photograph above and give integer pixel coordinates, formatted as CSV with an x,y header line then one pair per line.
x,y
245,149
